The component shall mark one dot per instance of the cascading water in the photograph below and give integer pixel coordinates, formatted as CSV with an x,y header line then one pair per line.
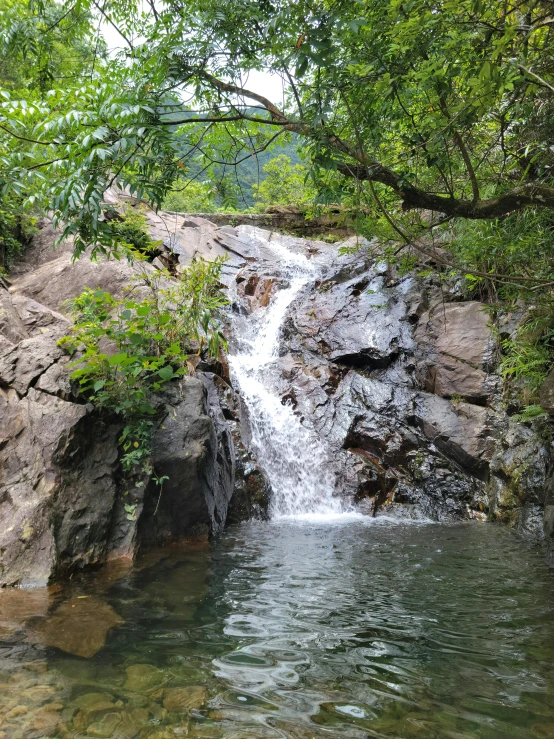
x,y
292,456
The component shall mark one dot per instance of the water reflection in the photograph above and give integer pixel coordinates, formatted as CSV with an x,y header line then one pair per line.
x,y
296,630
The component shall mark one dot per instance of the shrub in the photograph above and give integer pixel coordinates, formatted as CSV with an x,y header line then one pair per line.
x,y
132,232
152,339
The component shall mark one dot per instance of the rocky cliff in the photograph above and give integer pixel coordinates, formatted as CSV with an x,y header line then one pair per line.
x,y
397,376
63,502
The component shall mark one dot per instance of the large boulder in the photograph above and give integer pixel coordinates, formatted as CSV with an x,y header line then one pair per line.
x,y
457,345
55,458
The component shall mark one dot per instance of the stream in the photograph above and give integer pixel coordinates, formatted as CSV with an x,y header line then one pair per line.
x,y
299,630
319,623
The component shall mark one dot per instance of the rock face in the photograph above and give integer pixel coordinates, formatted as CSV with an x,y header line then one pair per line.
x,y
62,502
192,436
458,347
397,376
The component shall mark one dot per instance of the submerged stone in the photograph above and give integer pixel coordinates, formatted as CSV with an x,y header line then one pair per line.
x,y
106,727
143,677
184,699
78,626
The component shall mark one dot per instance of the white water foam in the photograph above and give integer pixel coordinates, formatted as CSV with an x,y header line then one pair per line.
x,y
292,456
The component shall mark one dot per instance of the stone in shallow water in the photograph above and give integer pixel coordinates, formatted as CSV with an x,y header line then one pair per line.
x,y
92,706
78,626
106,726
38,694
184,699
143,677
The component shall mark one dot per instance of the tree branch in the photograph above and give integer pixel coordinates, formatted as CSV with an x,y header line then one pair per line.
x,y
518,198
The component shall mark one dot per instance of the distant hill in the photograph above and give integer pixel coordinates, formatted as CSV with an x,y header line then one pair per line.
x,y
250,172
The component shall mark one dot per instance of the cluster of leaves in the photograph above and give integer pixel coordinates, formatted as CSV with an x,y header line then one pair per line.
x,y
131,230
527,356
130,348
191,197
17,226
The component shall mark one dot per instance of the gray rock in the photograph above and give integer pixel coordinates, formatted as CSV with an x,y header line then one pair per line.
x,y
355,322
518,483
462,431
21,365
38,319
194,449
54,460
12,327
457,343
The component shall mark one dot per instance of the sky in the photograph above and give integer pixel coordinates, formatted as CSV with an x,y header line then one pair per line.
x,y
269,85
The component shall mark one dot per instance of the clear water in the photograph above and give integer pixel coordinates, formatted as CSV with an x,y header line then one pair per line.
x,y
299,630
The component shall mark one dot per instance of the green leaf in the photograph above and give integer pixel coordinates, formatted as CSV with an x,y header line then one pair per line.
x,y
116,359
166,373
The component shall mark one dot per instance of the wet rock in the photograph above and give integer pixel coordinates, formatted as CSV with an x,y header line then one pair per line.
x,y
185,699
143,677
79,626
91,708
43,722
194,449
518,484
458,347
462,431
18,607
106,726
255,290
38,694
353,323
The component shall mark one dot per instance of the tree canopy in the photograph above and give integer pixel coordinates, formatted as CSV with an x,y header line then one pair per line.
x,y
444,106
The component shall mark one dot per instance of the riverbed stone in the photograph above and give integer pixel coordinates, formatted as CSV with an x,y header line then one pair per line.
x,y
78,626
106,726
143,677
185,699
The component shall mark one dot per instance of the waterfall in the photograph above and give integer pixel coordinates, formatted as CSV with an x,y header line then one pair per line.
x,y
292,456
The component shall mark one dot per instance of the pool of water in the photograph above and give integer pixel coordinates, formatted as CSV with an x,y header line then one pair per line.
x,y
300,630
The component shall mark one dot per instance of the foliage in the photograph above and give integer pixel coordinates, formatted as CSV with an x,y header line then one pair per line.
x,y
518,247
16,228
191,197
527,355
284,184
132,232
400,105
530,413
151,338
